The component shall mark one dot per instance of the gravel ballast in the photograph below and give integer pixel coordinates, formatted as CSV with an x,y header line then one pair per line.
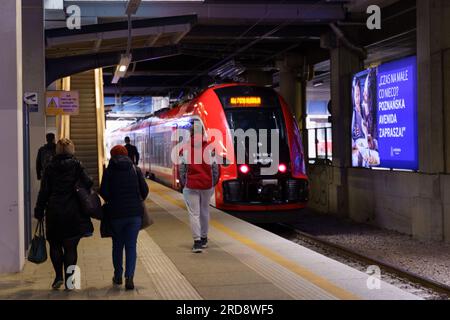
x,y
429,259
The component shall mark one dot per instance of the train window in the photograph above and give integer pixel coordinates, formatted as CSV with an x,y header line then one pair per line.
x,y
245,119
161,149
269,119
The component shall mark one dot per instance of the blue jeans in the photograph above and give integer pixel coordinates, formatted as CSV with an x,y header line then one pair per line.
x,y
125,232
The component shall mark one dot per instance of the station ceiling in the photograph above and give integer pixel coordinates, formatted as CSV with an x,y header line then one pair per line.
x,y
189,39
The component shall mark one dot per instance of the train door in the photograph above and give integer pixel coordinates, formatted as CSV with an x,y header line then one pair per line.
x,y
175,148
147,157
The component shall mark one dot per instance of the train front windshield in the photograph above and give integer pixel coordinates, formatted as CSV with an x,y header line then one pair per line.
x,y
245,119
250,108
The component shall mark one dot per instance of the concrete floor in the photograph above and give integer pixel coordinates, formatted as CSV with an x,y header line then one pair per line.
x,y
242,262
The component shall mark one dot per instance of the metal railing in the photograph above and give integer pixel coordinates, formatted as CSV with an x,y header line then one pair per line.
x,y
319,145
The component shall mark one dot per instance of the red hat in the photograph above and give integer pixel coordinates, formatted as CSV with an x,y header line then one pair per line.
x,y
119,150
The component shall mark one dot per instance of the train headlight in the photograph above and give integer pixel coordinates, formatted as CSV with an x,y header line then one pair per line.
x,y
244,169
282,168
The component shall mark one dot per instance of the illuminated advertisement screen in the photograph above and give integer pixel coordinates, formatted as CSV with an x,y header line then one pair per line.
x,y
384,121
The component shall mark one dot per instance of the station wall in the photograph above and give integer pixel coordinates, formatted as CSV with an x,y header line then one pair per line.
x,y
414,203
410,203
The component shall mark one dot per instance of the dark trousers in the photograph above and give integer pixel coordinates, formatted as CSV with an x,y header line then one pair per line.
x,y
124,235
63,253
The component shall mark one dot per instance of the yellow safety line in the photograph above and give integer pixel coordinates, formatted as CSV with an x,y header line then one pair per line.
x,y
288,264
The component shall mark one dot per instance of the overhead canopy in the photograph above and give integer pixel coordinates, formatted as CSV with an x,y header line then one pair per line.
x,y
198,40
111,37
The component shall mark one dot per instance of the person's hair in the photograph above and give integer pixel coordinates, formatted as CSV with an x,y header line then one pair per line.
x,y
65,146
127,139
119,150
50,137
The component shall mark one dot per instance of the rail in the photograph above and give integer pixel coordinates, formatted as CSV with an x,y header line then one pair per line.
x,y
319,145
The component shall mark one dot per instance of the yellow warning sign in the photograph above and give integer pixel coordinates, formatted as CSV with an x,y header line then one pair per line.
x,y
62,103
53,103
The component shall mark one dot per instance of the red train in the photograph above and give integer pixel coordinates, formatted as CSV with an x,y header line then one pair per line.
x,y
226,108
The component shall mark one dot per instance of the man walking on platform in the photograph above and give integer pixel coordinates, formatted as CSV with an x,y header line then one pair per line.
x,y
198,181
133,153
45,155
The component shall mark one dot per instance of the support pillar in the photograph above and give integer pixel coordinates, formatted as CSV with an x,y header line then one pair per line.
x,y
34,81
12,250
258,77
293,90
344,64
289,68
431,213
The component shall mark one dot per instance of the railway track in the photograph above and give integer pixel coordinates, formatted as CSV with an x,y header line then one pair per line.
x,y
413,283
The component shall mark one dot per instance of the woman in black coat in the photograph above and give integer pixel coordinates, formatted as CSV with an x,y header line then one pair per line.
x,y
58,203
124,188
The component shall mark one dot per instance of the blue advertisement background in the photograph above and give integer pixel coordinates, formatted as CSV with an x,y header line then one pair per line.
x,y
400,152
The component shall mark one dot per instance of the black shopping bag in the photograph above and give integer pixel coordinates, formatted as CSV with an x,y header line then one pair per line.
x,y
90,202
147,220
38,249
105,224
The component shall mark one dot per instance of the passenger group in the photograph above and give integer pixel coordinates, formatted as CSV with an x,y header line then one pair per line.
x,y
66,210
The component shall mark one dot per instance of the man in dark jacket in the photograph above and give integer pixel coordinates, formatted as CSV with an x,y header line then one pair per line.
x,y
124,189
45,154
133,153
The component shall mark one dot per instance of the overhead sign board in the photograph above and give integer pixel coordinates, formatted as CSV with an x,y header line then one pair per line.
x,y
62,103
31,100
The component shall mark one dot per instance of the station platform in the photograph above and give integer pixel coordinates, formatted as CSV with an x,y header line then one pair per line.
x,y
242,262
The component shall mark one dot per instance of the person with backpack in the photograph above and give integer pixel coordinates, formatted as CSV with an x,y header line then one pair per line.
x,y
198,179
58,202
45,155
124,189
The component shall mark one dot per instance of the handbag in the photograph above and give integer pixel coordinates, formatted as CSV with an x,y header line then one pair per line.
x,y
147,220
38,249
90,201
105,224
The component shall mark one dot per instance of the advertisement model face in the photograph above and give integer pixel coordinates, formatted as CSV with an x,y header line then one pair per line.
x,y
384,121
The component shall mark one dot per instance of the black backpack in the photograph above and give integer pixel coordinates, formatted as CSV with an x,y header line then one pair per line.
x,y
47,155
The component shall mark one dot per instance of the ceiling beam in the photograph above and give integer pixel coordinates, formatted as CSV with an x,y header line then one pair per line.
x,y
238,13
98,43
117,34
153,39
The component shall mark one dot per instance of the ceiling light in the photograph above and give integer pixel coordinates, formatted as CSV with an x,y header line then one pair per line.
x,y
317,84
132,6
122,67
